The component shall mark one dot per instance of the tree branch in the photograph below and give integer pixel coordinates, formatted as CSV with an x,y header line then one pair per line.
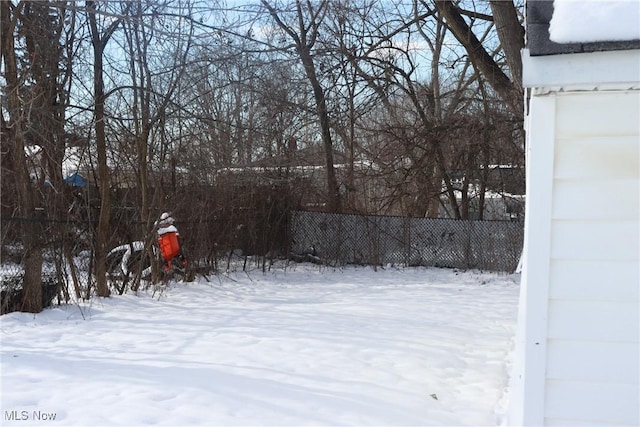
x,y
481,60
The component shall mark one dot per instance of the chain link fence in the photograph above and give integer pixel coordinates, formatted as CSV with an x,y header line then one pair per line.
x,y
380,240
67,247
67,250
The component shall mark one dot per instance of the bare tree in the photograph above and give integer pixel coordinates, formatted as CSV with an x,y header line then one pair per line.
x,y
511,34
151,96
10,16
425,146
99,40
36,77
304,36
390,70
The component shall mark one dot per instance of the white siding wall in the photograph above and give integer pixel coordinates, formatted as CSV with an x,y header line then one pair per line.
x,y
527,384
592,346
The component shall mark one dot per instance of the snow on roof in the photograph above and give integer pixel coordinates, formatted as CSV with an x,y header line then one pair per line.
x,y
589,21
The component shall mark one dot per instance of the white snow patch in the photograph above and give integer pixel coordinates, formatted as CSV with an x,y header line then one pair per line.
x,y
587,21
301,346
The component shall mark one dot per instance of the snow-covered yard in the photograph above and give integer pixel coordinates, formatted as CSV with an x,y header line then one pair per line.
x,y
301,346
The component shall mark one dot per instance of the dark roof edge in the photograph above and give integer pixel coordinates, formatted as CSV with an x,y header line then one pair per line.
x,y
539,13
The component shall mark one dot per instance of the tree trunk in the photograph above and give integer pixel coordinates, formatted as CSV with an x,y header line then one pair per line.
x,y
304,41
511,34
103,168
480,58
333,193
32,260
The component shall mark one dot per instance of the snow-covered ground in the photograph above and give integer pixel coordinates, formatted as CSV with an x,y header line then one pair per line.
x,y
298,346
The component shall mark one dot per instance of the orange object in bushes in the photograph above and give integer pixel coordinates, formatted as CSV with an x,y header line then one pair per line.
x,y
169,246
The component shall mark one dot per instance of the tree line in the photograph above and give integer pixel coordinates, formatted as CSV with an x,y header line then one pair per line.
x,y
407,103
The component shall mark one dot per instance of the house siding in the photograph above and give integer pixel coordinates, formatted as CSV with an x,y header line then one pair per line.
x,y
614,274
527,383
589,403
592,344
